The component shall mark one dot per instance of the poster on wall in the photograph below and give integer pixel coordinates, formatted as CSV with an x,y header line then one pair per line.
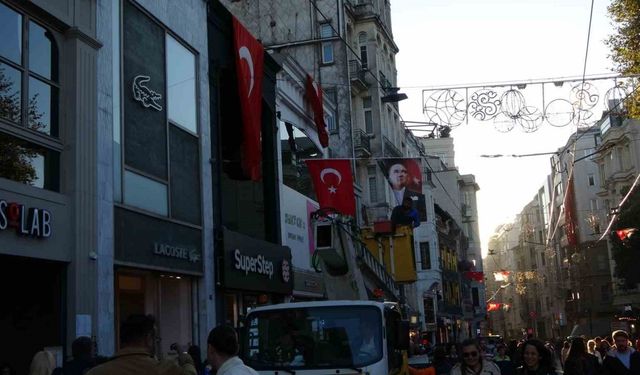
x,y
297,231
405,180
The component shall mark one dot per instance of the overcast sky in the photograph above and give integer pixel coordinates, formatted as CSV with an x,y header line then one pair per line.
x,y
452,42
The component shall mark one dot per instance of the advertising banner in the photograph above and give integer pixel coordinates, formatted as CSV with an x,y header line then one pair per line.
x,y
297,231
405,180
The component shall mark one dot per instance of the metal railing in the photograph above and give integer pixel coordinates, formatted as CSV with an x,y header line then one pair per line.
x,y
361,141
390,150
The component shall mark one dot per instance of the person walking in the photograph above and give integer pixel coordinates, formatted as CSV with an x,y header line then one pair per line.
x,y
591,349
440,361
43,363
578,361
472,362
504,361
536,359
222,352
138,340
622,359
83,358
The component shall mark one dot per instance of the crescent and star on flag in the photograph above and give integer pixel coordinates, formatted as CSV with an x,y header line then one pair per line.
x,y
245,54
332,189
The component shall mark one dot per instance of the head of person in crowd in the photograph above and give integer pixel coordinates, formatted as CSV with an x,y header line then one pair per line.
x,y
591,346
82,348
222,344
471,353
42,363
194,352
139,331
621,339
577,348
439,355
535,355
604,345
502,350
6,369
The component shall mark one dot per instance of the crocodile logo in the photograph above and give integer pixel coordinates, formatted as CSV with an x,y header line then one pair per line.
x,y
145,95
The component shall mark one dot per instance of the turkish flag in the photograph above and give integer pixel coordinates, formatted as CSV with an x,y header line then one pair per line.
x,y
314,96
249,66
333,183
475,276
493,307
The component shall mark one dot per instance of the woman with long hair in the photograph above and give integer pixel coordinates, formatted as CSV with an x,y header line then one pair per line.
x,y
536,359
578,361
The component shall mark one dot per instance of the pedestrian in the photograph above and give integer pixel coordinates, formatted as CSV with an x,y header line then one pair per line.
x,y
622,359
591,349
222,352
504,361
472,362
43,363
536,359
564,352
440,361
194,352
578,361
82,357
6,369
138,341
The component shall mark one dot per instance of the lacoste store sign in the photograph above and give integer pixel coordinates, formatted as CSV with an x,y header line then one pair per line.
x,y
27,221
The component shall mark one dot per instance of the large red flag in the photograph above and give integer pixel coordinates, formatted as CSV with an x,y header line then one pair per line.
x,y
314,96
249,66
333,184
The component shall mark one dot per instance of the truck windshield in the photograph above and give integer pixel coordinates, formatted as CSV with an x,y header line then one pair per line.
x,y
317,337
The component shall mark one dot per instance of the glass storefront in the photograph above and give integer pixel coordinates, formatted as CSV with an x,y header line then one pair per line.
x,y
168,297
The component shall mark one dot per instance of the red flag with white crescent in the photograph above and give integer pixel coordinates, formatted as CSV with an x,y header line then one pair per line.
x,y
333,184
314,95
493,307
249,67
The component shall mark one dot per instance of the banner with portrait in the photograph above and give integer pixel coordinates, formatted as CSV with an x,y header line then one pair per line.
x,y
405,180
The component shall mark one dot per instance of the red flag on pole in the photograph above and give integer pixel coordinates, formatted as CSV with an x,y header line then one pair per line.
x,y
475,276
333,184
314,96
249,66
493,307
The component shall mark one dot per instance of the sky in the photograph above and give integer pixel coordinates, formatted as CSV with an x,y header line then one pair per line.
x,y
463,42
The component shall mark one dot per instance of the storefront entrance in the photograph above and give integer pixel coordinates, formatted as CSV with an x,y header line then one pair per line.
x,y
31,317
168,297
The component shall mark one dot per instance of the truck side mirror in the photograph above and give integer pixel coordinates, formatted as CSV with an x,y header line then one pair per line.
x,y
403,335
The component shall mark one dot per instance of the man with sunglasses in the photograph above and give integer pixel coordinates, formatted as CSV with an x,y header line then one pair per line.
x,y
472,361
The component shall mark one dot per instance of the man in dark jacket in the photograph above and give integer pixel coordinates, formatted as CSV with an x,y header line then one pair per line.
x,y
622,359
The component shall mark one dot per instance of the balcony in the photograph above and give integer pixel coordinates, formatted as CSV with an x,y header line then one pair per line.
x,y
358,77
384,82
362,143
362,8
390,150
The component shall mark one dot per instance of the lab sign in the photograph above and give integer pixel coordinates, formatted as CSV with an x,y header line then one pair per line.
x,y
27,221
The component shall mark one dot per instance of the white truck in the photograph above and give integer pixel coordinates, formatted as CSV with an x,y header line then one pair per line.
x,y
326,337
347,334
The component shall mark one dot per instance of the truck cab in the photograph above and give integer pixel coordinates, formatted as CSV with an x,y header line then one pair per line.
x,y
325,337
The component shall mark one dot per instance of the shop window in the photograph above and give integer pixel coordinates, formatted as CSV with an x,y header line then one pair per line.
x,y
160,126
28,163
181,85
145,193
28,99
295,147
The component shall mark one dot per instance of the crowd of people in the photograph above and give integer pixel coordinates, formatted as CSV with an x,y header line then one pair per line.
x,y
137,355
614,355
